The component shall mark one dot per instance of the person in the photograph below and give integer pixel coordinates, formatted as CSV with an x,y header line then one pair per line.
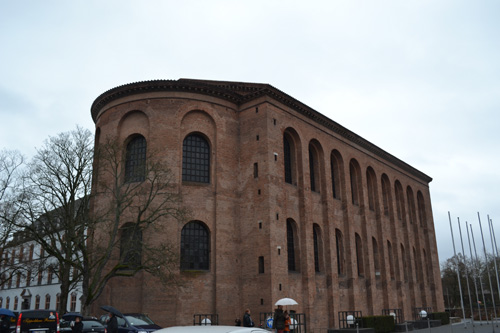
x,y
112,326
247,319
4,324
288,321
237,322
279,320
77,326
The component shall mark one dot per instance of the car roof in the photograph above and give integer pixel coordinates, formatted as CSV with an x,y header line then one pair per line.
x,y
210,329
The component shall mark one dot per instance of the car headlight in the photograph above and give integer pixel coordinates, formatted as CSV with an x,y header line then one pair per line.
x,y
142,331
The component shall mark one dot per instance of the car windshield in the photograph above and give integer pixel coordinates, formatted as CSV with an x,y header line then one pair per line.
x,y
91,323
139,319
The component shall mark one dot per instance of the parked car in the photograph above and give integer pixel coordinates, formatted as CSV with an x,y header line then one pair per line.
x,y
38,321
211,329
133,323
91,325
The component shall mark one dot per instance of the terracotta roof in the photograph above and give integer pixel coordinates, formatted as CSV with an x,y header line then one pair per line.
x,y
242,92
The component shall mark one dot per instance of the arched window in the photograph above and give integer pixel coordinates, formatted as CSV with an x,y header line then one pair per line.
x,y
291,243
195,247
288,156
355,182
390,256
398,189
7,302
422,216
335,166
47,301
37,302
411,204
16,302
130,246
58,300
359,256
376,259
195,159
386,194
314,169
371,183
340,252
318,247
73,302
135,160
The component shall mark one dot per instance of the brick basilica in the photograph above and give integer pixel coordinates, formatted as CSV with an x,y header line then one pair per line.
x,y
284,202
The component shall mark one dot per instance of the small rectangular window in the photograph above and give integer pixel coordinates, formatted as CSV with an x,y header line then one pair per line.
x,y
261,265
255,170
257,137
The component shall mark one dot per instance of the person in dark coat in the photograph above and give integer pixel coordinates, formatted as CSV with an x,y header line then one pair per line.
x,y
77,325
247,319
112,324
4,324
279,320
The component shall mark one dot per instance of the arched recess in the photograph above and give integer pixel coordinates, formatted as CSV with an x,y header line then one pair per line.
x,y
292,242
391,256
133,122
291,156
404,263
196,158
195,246
130,246
337,174
371,184
356,187
359,255
376,257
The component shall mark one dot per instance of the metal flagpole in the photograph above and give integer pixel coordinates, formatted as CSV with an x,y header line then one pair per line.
x,y
480,277
490,225
474,274
458,272
466,276
489,275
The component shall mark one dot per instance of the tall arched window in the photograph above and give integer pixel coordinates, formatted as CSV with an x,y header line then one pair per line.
x,y
386,194
288,158
16,302
355,182
376,259
131,246
195,247
7,302
73,302
47,301
195,159
390,256
359,256
291,243
37,302
422,216
318,246
314,169
135,159
371,183
405,266
335,166
340,252
398,189
411,204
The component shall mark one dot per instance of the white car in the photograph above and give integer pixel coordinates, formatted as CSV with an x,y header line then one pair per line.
x,y
211,329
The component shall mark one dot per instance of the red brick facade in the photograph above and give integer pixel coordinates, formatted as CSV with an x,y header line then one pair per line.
x,y
378,221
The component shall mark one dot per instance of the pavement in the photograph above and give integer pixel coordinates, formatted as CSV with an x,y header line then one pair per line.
x,y
478,327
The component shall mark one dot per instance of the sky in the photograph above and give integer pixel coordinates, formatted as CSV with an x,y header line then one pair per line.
x,y
418,78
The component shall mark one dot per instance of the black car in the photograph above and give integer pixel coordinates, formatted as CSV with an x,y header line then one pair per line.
x,y
90,326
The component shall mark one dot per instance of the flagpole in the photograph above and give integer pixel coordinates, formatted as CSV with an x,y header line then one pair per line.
x,y
490,225
474,274
480,277
458,272
489,275
466,276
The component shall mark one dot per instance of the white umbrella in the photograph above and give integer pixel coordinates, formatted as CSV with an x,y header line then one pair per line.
x,y
286,301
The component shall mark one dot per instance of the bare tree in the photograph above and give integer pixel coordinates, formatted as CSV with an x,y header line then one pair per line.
x,y
54,204
130,205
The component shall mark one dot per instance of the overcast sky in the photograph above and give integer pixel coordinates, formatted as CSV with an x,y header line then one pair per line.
x,y
420,79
